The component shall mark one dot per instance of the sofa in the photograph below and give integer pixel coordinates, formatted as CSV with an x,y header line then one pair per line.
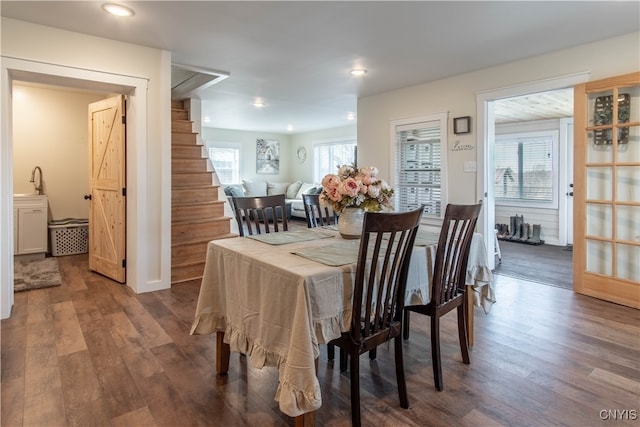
x,y
293,192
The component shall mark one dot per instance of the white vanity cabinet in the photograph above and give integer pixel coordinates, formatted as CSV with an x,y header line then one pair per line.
x,y
30,224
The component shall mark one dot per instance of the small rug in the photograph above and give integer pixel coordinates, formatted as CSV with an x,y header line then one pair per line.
x,y
36,274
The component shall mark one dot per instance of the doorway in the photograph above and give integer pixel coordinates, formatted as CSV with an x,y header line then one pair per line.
x,y
533,167
491,109
14,69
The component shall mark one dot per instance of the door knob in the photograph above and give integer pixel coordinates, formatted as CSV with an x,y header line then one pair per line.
x,y
570,193
87,196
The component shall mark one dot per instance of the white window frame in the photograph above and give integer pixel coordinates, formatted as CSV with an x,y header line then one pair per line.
x,y
233,146
432,120
317,176
555,138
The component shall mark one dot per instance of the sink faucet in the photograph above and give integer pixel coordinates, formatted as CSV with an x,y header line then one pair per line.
x,y
37,183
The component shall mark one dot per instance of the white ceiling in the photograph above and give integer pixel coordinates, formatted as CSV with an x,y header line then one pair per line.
x,y
296,56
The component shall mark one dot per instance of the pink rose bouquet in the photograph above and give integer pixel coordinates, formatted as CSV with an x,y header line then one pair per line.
x,y
359,188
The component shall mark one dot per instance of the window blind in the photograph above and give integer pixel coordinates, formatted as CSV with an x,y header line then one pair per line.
x,y
419,159
226,161
524,168
327,156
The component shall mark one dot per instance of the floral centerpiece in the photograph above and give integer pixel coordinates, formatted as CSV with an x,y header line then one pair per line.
x,y
358,188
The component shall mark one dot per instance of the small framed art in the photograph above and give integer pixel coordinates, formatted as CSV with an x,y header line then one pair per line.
x,y
462,125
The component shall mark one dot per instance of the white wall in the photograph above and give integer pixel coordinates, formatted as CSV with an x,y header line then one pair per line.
x,y
83,60
457,96
247,142
304,171
290,168
50,130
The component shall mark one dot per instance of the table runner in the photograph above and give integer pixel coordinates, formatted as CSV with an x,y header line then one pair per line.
x,y
294,236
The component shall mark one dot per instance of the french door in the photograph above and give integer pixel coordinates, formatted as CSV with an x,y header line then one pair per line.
x,y
607,189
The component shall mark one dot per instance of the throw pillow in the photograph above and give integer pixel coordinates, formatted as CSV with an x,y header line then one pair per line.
x,y
253,189
277,187
303,189
292,190
234,191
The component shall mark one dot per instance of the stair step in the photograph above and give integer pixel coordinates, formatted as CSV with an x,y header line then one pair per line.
x,y
179,165
188,152
186,273
213,209
198,179
196,230
179,114
178,138
186,251
177,104
181,126
193,195
193,252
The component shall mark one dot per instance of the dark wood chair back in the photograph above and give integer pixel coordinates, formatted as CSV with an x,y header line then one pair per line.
x,y
448,287
317,215
452,254
378,294
263,214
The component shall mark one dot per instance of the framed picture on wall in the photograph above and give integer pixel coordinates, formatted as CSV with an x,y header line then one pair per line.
x,y
267,156
462,125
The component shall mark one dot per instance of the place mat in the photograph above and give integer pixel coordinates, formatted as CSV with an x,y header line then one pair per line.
x,y
340,252
294,236
426,238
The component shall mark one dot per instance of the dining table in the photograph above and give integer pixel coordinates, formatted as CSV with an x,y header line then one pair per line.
x,y
277,297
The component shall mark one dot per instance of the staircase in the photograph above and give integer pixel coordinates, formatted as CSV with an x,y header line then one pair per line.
x,y
197,216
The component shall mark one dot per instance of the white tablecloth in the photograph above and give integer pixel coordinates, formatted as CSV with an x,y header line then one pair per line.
x,y
277,307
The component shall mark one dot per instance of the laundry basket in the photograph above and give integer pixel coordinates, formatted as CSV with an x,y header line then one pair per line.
x,y
69,236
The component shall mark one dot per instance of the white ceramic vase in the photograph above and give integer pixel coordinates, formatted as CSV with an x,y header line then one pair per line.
x,y
350,223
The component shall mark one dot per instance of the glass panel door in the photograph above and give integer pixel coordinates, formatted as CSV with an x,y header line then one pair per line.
x,y
607,220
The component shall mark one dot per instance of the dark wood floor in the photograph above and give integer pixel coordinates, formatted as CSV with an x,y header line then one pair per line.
x,y
552,265
92,353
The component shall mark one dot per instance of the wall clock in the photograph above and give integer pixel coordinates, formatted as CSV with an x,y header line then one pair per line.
x,y
301,154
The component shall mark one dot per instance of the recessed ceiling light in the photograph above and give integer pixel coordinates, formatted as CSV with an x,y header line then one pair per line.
x,y
258,104
207,119
358,72
289,128
117,9
351,116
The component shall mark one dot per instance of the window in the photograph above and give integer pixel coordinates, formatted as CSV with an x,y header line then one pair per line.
x,y
328,155
526,168
420,164
226,161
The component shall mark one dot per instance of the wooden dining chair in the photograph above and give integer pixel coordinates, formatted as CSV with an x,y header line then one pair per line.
x,y
378,295
262,214
317,215
448,290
